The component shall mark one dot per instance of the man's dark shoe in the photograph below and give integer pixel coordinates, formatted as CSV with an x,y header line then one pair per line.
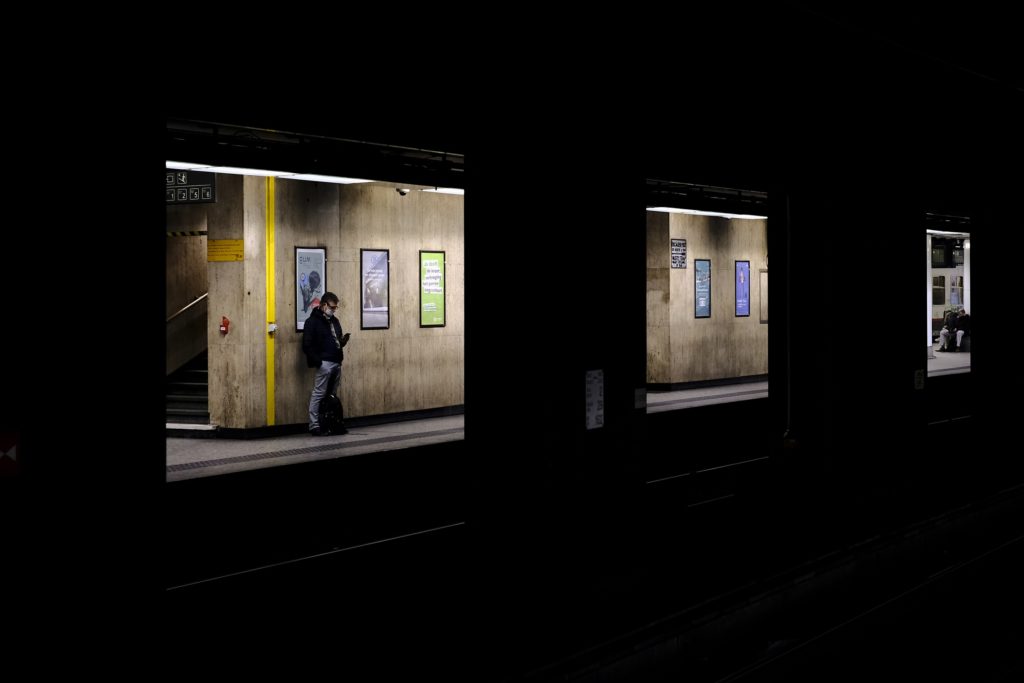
x,y
315,432
940,349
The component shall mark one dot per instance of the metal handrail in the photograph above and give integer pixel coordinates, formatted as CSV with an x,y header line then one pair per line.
x,y
187,306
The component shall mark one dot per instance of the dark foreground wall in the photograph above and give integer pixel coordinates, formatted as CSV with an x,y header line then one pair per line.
x,y
845,135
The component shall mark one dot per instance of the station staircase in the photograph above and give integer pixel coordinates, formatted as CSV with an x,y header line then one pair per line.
x,y
188,393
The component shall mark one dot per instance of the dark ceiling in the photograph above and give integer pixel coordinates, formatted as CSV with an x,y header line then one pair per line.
x,y
976,42
317,149
739,95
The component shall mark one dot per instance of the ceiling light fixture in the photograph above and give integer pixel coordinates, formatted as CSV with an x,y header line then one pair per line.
x,y
236,170
340,180
206,168
185,165
446,190
695,212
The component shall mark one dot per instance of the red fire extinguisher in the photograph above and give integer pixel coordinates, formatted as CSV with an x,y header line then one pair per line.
x,y
224,324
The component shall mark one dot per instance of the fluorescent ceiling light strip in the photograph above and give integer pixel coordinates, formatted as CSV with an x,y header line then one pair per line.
x,y
235,170
947,233
323,178
446,190
185,165
193,166
695,212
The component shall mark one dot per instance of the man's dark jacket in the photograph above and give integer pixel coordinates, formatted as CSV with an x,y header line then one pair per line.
x,y
317,341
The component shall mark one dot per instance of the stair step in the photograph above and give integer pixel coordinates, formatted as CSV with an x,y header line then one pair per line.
x,y
192,398
187,411
188,393
185,405
202,419
187,389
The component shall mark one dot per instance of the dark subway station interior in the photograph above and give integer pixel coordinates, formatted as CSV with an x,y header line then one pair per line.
x,y
862,519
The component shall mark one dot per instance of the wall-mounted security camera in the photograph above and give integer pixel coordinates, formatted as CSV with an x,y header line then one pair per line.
x,y
402,190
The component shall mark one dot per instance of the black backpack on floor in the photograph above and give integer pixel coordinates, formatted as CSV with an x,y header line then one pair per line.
x,y
331,415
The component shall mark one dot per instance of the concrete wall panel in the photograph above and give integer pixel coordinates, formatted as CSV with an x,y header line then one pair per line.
x,y
399,369
659,353
681,347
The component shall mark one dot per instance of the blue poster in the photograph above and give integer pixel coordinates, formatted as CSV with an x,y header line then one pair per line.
x,y
702,288
743,288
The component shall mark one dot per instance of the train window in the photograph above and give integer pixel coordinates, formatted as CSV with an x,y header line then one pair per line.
x,y
707,334
956,290
949,351
206,394
939,290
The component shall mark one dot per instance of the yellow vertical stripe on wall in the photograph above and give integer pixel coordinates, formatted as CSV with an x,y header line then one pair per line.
x,y
271,303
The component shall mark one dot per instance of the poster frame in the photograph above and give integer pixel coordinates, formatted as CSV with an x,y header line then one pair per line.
x,y
736,284
298,279
762,294
444,289
364,255
696,299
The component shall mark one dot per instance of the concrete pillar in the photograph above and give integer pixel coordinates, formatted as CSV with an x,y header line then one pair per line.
x,y
237,360
659,337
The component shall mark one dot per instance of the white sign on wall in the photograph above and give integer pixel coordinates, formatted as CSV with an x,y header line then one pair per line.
x,y
678,253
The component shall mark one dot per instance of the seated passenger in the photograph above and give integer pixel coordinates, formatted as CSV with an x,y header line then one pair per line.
x,y
948,328
963,327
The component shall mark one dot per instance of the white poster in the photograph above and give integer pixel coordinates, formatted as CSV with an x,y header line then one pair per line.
x,y
310,281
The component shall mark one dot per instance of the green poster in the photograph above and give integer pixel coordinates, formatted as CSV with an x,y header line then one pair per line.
x,y
432,289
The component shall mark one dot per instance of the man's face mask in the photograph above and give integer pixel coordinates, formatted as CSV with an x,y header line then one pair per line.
x,y
328,311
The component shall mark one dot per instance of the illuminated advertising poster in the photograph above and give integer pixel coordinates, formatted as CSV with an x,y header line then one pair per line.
x,y
432,289
702,288
373,267
310,281
764,296
743,288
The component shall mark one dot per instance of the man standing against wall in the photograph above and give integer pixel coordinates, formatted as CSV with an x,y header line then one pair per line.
x,y
322,342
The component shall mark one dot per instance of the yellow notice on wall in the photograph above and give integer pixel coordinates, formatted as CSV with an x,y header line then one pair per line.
x,y
224,250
